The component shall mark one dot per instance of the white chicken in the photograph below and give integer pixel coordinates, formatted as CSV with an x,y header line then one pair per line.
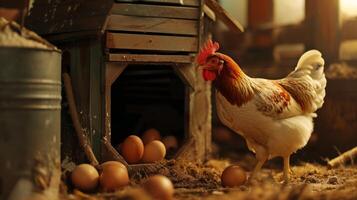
x,y
274,116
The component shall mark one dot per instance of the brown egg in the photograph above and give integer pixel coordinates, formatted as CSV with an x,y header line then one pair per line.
x,y
151,135
112,163
159,187
85,177
170,142
154,151
233,176
114,176
132,149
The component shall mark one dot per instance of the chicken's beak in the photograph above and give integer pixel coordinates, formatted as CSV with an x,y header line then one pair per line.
x,y
202,67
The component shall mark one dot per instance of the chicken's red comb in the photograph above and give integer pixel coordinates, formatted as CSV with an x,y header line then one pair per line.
x,y
208,49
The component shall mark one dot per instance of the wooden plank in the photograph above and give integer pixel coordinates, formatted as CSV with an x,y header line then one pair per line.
x,y
151,42
95,96
155,11
152,25
174,2
224,16
149,58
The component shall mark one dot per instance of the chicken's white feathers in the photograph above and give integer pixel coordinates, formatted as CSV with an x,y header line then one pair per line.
x,y
307,82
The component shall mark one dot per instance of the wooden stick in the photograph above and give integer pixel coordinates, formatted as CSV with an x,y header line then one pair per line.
x,y
24,12
82,137
223,15
113,152
343,158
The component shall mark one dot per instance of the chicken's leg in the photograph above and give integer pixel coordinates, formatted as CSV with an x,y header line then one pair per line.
x,y
286,173
261,156
257,168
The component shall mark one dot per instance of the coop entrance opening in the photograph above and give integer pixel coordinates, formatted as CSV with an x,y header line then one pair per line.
x,y
148,97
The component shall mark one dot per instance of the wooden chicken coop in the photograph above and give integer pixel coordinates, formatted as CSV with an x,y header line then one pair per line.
x,y
132,68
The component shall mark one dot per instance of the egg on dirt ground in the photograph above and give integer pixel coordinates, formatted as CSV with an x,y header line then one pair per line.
x,y
85,177
159,187
114,176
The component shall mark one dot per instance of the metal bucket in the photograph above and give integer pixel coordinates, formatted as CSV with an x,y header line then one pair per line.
x,y
30,95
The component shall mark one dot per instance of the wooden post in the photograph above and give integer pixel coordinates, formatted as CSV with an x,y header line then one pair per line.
x,y
322,19
260,21
112,72
260,12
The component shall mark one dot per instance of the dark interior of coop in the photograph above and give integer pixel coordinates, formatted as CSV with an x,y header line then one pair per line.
x,y
144,97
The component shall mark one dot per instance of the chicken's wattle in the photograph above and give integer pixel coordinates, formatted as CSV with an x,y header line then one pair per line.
x,y
208,75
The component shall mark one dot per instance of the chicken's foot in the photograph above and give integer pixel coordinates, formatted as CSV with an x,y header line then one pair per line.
x,y
261,157
257,168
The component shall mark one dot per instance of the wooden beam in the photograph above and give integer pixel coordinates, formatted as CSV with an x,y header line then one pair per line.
x,y
155,11
174,2
322,19
152,25
186,73
112,72
260,13
140,58
151,42
224,16
209,12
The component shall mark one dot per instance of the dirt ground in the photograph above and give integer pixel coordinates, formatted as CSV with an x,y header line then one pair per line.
x,y
202,181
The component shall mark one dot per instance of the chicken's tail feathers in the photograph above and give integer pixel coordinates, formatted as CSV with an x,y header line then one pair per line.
x,y
310,63
309,73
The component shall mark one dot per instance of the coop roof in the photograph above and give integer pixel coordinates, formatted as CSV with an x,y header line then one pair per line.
x,y
89,17
68,16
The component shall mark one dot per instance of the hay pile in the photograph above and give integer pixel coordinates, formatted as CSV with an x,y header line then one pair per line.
x,y
12,35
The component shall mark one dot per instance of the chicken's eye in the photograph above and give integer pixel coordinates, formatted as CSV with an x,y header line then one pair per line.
x,y
214,61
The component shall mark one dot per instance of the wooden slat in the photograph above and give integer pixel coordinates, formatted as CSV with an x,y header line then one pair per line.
x,y
152,25
175,2
155,11
151,42
150,58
